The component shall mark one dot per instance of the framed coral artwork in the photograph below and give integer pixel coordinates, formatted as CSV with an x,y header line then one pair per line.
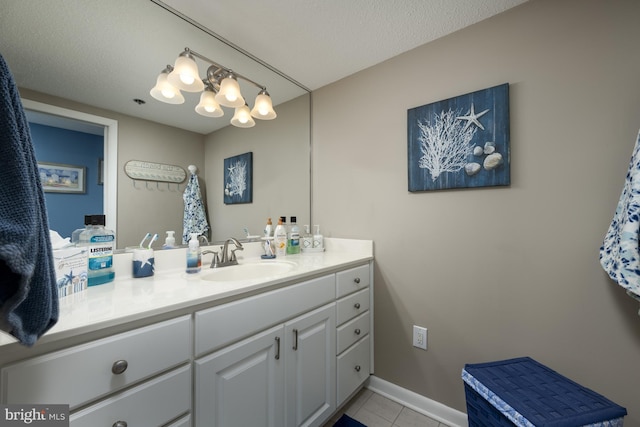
x,y
238,179
460,142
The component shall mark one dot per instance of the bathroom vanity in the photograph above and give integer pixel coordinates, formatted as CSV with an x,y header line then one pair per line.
x,y
219,349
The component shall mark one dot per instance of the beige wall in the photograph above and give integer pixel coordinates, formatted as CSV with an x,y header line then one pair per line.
x,y
495,273
280,171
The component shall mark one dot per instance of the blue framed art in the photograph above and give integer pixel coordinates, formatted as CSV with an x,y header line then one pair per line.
x,y
460,142
238,179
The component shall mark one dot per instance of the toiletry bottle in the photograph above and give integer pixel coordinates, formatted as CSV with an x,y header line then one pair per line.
x,y
280,237
267,228
293,240
318,239
306,242
75,236
194,260
100,243
170,240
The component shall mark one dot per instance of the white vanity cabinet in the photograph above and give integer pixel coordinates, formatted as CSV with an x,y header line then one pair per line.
x,y
155,357
281,376
285,352
354,326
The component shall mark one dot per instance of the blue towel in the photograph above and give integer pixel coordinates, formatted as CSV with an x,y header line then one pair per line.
x,y
195,217
28,292
619,254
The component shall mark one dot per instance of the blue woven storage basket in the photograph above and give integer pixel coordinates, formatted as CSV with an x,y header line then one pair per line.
x,y
523,392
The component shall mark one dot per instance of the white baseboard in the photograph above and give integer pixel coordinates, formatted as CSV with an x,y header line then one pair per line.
x,y
424,405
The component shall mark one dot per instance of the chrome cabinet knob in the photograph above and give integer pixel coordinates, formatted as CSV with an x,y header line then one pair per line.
x,y
119,366
120,424
357,331
357,306
357,368
357,280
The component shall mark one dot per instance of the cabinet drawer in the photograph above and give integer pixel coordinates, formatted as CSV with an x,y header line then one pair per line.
x,y
80,374
182,422
353,369
227,323
153,403
352,280
352,331
352,305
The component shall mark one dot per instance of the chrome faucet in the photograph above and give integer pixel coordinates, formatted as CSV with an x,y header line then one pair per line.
x,y
228,256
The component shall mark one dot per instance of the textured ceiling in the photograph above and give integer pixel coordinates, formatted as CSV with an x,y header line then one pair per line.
x,y
319,42
106,53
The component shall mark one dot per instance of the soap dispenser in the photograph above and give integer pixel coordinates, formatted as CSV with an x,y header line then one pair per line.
x,y
318,239
194,260
170,240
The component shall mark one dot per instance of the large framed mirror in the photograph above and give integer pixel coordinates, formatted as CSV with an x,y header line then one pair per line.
x,y
94,58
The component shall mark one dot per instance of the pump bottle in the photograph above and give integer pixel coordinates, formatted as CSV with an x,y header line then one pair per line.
x,y
280,237
194,260
170,240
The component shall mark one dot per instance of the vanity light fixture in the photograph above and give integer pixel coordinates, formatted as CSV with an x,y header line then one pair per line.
x,y
219,88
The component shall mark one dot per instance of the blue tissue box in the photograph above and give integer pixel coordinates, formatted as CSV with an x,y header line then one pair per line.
x,y
523,392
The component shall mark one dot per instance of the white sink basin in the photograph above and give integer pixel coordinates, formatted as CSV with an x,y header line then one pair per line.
x,y
248,271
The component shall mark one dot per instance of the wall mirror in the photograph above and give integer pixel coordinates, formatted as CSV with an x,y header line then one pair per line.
x,y
95,57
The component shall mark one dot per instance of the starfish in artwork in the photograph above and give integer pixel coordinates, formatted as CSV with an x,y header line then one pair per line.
x,y
472,117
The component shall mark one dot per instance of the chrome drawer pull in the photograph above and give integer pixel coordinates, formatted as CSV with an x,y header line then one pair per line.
x,y
357,331
357,368
277,348
357,306
357,280
120,424
119,366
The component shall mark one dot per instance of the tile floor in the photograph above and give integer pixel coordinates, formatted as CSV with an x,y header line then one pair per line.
x,y
374,410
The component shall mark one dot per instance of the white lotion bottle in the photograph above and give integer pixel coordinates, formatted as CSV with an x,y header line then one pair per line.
x,y
194,262
267,228
280,238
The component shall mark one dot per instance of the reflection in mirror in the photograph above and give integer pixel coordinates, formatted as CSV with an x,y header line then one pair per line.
x,y
94,57
45,120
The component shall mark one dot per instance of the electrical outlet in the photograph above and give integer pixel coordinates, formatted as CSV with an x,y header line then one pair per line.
x,y
420,337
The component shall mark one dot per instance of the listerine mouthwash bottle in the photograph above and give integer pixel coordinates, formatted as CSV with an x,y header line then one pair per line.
x,y
293,239
100,245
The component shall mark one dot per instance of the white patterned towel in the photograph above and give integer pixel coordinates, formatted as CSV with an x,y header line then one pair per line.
x,y
619,254
195,217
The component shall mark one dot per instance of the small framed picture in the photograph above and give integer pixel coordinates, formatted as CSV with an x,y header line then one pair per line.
x,y
238,179
59,178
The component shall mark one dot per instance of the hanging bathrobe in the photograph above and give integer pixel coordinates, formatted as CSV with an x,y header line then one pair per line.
x,y
619,254
28,292
195,217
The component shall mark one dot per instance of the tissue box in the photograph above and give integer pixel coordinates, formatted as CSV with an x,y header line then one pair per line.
x,y
71,270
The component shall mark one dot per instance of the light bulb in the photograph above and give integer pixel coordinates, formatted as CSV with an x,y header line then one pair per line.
x,y
168,93
187,78
263,107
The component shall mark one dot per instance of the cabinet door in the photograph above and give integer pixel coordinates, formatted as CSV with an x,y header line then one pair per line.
x,y
310,357
242,385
